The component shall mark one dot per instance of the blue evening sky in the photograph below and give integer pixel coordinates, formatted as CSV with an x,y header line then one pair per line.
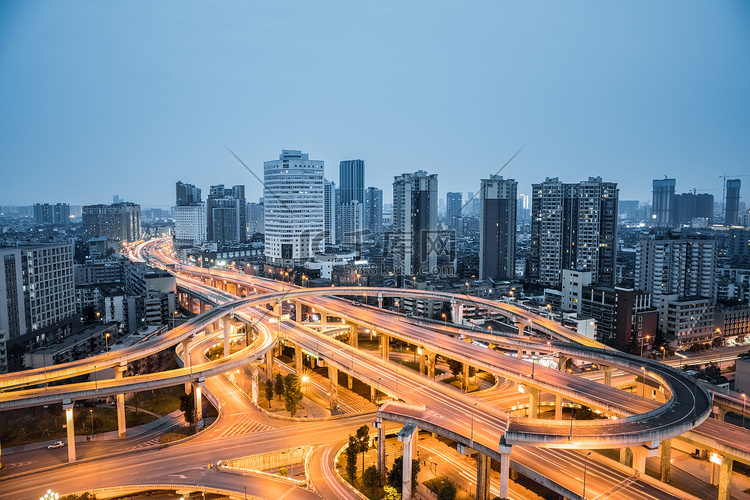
x,y
102,98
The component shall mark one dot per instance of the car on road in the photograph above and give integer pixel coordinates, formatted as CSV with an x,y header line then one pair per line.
x,y
56,444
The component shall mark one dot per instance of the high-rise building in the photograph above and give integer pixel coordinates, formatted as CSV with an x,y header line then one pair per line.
x,y
36,291
255,217
689,206
61,213
497,238
732,209
190,223
573,226
374,212
187,194
627,208
661,205
352,181
622,315
294,208
329,211
414,223
352,221
453,206
120,221
666,266
44,213
226,215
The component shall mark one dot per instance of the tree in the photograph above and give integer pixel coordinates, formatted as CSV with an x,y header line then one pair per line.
x,y
391,493
371,478
187,407
363,438
455,366
395,475
269,391
447,492
292,394
584,413
351,458
279,386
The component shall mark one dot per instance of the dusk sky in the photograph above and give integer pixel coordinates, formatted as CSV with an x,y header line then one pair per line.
x,y
103,98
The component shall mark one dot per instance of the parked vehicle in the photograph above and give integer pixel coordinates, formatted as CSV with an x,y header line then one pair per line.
x,y
56,444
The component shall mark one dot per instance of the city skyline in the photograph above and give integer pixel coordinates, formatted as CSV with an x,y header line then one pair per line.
x,y
629,92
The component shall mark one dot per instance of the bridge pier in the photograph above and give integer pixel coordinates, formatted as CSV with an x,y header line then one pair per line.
x,y
333,392
421,355
68,407
226,336
431,365
521,326
353,335
457,312
640,454
519,353
533,402
385,346
465,376
380,300
298,359
120,398
665,463
558,407
562,362
725,478
269,364
373,394
720,414
607,375
197,390
378,424
298,311
406,435
504,470
483,476
323,320
254,392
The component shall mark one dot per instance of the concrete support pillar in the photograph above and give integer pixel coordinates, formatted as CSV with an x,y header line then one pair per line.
x,y
504,471
373,394
349,381
483,476
607,375
640,454
380,301
254,392
68,407
457,312
120,398
431,365
269,364
665,465
298,311
197,390
215,326
333,393
353,335
226,336
624,456
385,346
714,474
720,414
519,353
562,362
381,447
277,308
421,356
186,352
533,402
465,376
323,320
725,479
298,359
521,326
558,407
406,436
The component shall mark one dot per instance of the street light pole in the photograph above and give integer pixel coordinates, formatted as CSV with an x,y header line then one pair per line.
x,y
93,434
585,463
744,400
643,385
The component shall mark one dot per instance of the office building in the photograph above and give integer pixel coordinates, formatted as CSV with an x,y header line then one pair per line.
x,y
190,225
119,221
667,266
573,226
352,181
689,319
187,194
622,315
373,213
255,217
454,203
732,207
329,211
294,208
414,223
37,291
661,205
226,215
352,221
497,237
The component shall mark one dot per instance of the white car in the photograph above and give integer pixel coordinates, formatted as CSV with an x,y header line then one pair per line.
x,y
56,444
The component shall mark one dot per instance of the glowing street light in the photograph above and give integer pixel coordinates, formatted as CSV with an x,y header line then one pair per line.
x,y
50,495
106,341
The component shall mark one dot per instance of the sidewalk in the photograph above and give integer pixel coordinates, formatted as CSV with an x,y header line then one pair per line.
x,y
174,419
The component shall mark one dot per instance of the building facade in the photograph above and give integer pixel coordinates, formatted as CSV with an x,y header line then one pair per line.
x,y
453,206
294,208
661,204
414,223
573,226
190,224
226,215
497,237
374,213
329,211
119,221
732,208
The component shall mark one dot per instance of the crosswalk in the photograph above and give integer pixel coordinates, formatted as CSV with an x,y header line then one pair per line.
x,y
243,425
145,444
358,405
